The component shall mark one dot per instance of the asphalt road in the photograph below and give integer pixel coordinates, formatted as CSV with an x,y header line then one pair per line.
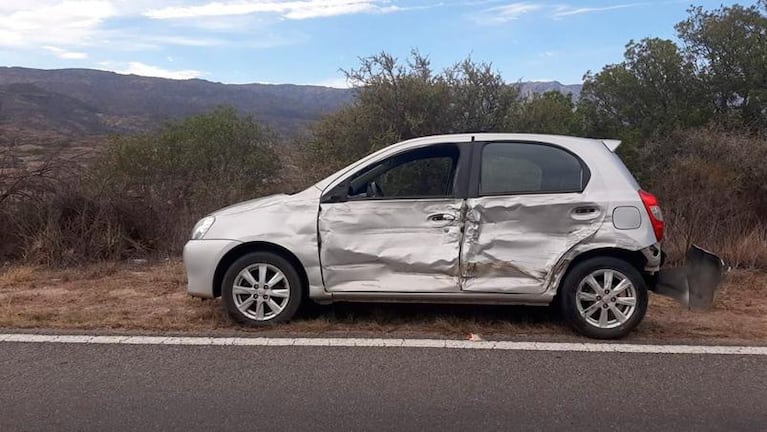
x,y
73,387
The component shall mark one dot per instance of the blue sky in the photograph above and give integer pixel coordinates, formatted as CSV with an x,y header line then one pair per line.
x,y
307,41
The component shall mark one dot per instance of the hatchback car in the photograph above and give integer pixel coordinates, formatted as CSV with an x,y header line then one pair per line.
x,y
472,218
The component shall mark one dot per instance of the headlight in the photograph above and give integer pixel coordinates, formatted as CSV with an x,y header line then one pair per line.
x,y
202,227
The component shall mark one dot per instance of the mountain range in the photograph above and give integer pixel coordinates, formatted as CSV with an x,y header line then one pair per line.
x,y
86,102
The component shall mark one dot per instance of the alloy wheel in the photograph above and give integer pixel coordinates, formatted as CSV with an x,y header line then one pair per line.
x,y
261,291
606,299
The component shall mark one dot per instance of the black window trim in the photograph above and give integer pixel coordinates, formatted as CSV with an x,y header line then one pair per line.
x,y
462,172
476,170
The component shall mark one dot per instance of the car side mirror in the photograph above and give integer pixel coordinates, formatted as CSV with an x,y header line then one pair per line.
x,y
340,193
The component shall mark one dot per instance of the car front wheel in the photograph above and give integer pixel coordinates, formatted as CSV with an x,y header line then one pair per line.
x,y
261,288
604,298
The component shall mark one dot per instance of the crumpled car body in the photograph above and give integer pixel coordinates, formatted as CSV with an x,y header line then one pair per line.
x,y
488,224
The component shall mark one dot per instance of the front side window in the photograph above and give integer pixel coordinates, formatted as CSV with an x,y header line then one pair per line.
x,y
515,168
421,173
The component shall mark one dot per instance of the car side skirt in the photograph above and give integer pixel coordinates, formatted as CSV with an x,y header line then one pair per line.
x,y
452,298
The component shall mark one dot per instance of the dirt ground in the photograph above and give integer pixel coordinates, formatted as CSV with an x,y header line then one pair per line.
x,y
150,297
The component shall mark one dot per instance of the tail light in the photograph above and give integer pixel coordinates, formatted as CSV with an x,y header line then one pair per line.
x,y
653,210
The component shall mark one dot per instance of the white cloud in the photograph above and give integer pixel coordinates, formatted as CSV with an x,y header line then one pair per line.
x,y
337,82
564,11
52,22
138,68
298,9
182,40
75,29
506,13
64,54
319,10
72,24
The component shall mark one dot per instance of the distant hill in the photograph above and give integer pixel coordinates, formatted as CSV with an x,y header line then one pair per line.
x,y
28,106
86,102
530,87
112,102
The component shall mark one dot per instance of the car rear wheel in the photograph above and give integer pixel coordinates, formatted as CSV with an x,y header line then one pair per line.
x,y
604,298
261,288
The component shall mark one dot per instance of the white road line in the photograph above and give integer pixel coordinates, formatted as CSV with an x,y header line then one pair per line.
x,y
388,343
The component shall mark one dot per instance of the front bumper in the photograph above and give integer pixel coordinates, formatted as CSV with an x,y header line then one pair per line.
x,y
201,257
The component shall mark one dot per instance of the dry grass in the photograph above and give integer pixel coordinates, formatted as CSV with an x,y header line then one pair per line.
x,y
739,313
17,275
151,297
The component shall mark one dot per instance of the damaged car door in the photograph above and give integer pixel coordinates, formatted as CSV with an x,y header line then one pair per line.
x,y
528,206
395,224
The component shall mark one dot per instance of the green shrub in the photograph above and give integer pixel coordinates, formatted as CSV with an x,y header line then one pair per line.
x,y
141,194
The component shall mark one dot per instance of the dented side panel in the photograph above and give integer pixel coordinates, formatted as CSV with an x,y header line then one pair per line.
x,y
288,221
390,246
512,243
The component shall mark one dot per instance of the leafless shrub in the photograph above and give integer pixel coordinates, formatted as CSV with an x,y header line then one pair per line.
x,y
140,195
23,182
713,187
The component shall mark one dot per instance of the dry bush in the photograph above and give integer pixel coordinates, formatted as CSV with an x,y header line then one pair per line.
x,y
713,189
142,194
70,227
75,224
23,182
52,214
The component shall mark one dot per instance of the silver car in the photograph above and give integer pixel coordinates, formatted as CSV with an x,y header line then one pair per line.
x,y
472,218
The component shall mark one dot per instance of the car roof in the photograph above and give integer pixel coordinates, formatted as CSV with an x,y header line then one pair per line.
x,y
577,145
490,136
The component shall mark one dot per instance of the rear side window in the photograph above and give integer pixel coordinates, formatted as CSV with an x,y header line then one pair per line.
x,y
515,168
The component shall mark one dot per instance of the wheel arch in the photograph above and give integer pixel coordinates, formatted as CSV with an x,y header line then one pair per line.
x,y
635,258
257,246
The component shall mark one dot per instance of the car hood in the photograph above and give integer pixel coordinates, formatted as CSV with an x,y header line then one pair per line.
x,y
280,219
309,196
252,204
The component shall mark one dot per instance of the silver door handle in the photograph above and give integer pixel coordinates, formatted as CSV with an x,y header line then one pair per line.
x,y
442,217
586,212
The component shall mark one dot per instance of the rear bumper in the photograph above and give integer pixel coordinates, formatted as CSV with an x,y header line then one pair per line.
x,y
201,257
654,258
693,284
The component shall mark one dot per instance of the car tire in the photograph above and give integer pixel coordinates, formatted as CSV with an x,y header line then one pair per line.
x,y
261,288
603,298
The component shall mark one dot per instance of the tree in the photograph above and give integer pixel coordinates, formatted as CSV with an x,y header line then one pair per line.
x,y
403,99
551,113
480,100
397,101
730,47
654,90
